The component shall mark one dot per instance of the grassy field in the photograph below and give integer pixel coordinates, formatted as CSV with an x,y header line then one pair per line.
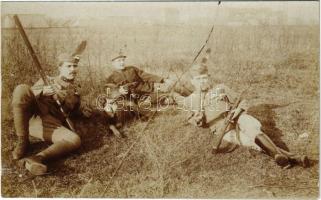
x,y
172,159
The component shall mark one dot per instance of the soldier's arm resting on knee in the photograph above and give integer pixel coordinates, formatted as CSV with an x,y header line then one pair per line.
x,y
149,77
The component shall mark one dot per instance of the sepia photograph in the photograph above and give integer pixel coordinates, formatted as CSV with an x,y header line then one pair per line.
x,y
107,99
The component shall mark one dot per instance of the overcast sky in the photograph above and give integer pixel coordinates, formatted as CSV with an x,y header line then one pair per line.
x,y
307,9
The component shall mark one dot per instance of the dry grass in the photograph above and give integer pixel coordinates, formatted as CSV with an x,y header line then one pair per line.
x,y
173,159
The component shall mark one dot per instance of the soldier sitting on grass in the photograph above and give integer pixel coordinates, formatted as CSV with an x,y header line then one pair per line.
x,y
209,108
36,113
136,86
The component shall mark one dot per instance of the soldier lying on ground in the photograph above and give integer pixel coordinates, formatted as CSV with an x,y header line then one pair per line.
x,y
210,105
36,113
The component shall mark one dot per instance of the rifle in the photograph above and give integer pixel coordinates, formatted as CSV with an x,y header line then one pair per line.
x,y
130,87
208,51
39,68
114,93
227,122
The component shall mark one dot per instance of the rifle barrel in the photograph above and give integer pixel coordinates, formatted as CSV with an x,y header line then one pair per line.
x,y
227,123
32,52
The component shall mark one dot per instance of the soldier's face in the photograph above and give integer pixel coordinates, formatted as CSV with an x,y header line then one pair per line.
x,y
68,70
200,82
119,63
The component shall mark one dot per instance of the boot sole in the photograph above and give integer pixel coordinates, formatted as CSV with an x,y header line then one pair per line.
x,y
35,168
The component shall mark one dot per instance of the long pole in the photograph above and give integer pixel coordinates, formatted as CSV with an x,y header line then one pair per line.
x,y
38,65
197,55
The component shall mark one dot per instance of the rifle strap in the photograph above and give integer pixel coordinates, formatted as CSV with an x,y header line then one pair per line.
x,y
237,129
238,137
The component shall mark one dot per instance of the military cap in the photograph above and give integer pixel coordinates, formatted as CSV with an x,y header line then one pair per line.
x,y
64,57
120,55
199,69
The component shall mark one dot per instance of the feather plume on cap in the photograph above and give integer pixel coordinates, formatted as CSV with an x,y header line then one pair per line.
x,y
201,68
74,57
207,56
79,50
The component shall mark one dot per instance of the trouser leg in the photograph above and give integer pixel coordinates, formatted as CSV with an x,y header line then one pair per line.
x,y
21,120
23,105
134,109
268,146
280,154
63,142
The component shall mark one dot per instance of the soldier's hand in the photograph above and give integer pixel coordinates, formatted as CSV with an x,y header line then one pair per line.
x,y
48,90
123,90
166,85
61,94
110,109
87,111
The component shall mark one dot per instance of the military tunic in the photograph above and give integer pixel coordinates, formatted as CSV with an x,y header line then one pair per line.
x,y
214,105
43,112
145,81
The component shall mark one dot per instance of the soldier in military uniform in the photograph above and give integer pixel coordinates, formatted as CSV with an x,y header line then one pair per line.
x,y
36,113
136,87
209,107
142,82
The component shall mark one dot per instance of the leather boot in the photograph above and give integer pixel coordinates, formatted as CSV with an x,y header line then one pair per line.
x,y
35,166
297,159
58,149
21,147
271,149
21,122
301,160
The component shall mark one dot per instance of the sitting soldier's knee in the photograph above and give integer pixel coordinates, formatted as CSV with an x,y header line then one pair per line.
x,y
20,94
21,89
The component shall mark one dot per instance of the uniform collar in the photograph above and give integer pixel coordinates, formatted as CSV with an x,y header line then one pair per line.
x,y
62,81
125,68
120,70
